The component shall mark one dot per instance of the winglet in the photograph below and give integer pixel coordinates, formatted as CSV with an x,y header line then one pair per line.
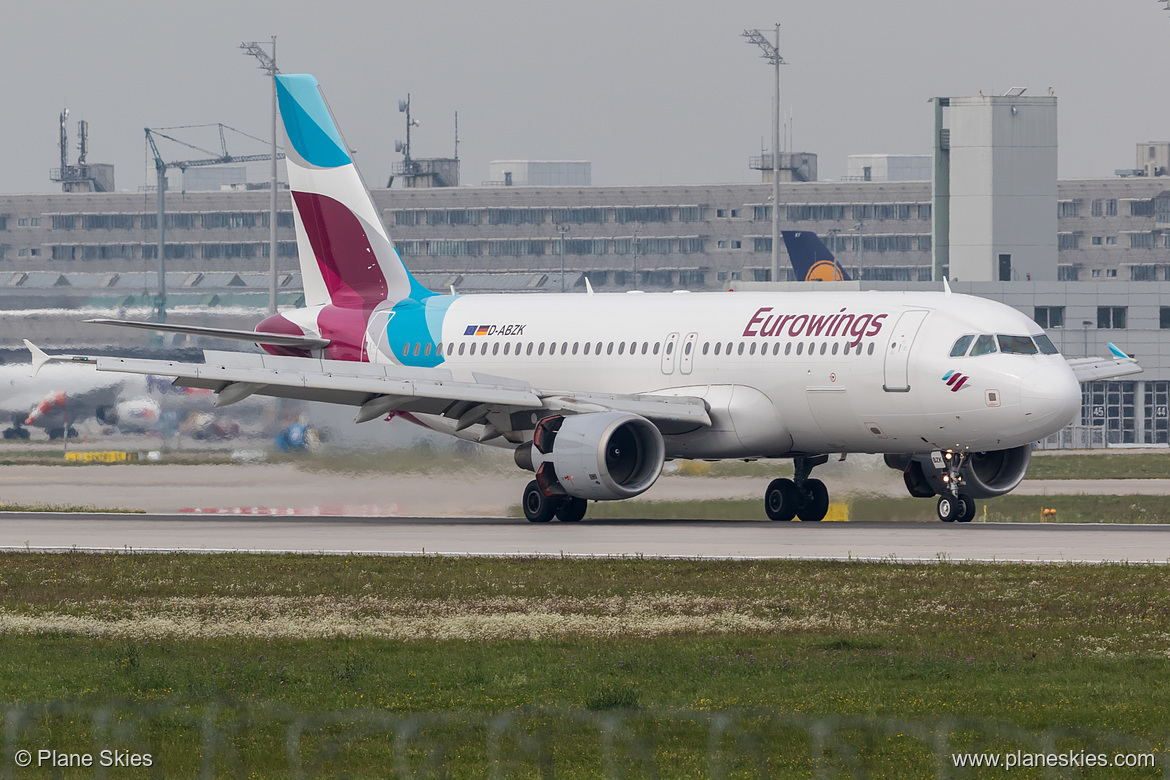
x,y
1117,353
39,356
946,286
588,286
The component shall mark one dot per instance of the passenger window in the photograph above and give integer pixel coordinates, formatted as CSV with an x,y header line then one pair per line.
x,y
565,348
540,348
1046,345
706,346
507,347
609,349
800,347
461,348
739,351
961,345
870,352
752,349
670,348
405,350
416,347
496,348
788,348
645,346
687,350
621,347
1016,345
597,349
824,346
984,345
575,344
529,350
656,345
776,348
846,350
633,347
427,350
588,344
835,346
718,344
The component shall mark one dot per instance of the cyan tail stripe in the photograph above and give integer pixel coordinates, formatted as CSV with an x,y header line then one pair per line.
x,y
307,121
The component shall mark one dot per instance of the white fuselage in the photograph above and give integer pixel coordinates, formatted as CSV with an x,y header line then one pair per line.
x,y
793,372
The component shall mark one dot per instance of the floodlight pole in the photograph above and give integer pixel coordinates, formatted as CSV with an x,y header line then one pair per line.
x,y
268,64
772,54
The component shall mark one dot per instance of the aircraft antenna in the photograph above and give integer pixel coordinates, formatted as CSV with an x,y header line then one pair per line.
x,y
772,54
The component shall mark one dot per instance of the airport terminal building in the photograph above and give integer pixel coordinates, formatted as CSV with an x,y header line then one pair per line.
x,y
667,237
98,253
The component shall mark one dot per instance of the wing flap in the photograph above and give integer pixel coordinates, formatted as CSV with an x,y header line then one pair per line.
x,y
307,381
274,339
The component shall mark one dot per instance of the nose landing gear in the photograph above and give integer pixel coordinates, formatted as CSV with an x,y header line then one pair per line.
x,y
801,496
954,505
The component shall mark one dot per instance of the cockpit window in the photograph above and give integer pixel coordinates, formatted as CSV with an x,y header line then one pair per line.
x,y
961,345
984,345
1046,345
1016,345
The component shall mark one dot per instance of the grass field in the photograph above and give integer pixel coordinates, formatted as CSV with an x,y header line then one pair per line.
x,y
558,644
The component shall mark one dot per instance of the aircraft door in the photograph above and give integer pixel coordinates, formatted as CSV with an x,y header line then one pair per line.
x,y
668,347
897,366
687,355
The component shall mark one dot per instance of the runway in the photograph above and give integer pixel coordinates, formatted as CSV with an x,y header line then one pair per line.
x,y
867,541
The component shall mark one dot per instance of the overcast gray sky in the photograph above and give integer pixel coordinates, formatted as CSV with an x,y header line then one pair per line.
x,y
650,91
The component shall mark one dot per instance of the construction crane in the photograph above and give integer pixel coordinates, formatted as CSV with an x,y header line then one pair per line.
x,y
160,168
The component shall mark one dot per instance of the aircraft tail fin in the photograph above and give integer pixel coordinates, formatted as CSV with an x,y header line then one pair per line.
x,y
346,255
811,259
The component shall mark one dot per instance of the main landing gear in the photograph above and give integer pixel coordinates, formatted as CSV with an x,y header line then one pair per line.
x,y
801,496
954,505
539,508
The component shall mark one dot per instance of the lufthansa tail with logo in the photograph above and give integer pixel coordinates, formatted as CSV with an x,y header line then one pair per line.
x,y
811,259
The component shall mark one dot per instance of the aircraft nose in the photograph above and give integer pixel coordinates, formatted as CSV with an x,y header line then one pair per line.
x,y
1051,399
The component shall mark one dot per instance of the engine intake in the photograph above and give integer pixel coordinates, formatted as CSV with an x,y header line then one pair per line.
x,y
985,474
602,456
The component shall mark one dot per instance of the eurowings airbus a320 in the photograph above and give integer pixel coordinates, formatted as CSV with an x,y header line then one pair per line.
x,y
593,392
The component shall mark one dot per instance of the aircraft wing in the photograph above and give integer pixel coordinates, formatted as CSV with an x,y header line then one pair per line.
x,y
378,389
1094,368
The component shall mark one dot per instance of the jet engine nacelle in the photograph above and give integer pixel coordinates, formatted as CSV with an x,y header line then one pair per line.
x,y
984,474
602,455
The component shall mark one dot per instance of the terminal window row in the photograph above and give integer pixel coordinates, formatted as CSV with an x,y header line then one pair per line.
x,y
832,212
540,246
540,216
176,221
173,251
